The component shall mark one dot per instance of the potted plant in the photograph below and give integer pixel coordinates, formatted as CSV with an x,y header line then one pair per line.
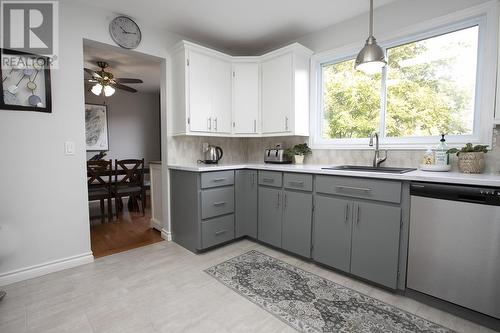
x,y
298,152
470,158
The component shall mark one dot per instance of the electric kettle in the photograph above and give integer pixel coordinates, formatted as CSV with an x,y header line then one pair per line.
x,y
213,154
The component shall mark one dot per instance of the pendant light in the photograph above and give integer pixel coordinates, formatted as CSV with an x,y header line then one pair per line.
x,y
371,58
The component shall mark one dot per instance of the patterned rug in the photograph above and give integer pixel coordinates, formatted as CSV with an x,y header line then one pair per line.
x,y
310,303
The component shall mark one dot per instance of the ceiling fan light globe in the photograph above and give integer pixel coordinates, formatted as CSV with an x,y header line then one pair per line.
x,y
109,91
97,89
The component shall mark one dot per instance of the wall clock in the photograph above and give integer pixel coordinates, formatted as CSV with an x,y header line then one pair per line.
x,y
125,32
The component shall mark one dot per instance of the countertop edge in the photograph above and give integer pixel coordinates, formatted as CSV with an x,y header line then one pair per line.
x,y
487,179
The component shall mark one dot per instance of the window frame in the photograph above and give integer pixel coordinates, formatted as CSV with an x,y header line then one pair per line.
x,y
484,16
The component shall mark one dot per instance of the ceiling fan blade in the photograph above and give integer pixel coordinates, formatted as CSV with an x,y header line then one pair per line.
x,y
93,73
124,87
127,80
90,81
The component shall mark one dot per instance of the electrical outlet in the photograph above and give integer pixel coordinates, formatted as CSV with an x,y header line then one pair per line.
x,y
204,146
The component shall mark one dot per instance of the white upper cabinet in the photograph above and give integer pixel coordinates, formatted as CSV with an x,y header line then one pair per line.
x,y
202,87
216,94
199,90
285,91
220,87
277,77
246,98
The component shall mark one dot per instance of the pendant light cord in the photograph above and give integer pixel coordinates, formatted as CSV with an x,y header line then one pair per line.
x,y
371,18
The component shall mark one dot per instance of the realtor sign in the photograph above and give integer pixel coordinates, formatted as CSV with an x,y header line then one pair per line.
x,y
30,27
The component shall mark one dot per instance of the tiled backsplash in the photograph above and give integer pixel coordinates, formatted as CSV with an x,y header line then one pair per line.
x,y
187,149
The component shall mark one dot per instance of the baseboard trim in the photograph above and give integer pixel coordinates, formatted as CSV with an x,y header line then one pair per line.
x,y
156,224
167,235
45,268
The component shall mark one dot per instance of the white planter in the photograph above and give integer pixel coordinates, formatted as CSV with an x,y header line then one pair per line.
x,y
299,159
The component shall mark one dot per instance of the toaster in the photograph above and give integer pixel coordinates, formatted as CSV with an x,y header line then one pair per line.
x,y
276,155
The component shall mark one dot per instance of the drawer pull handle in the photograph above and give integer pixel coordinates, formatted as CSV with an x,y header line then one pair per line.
x,y
219,179
220,232
268,180
350,188
297,183
219,203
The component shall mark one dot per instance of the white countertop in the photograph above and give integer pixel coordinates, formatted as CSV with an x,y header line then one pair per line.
x,y
486,179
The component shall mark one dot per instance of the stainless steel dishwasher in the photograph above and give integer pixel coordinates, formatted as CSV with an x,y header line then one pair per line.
x,y
454,247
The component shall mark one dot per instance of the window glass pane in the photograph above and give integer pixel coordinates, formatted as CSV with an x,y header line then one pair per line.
x,y
431,85
351,102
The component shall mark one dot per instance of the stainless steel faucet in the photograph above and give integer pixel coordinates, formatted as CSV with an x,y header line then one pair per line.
x,y
376,157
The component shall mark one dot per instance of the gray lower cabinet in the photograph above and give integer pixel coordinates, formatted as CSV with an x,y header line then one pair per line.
x,y
202,208
351,224
375,242
245,188
332,232
269,215
296,225
217,230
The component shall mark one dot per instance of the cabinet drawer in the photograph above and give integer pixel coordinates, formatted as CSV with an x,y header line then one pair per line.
x,y
217,201
373,189
217,230
270,178
298,181
217,178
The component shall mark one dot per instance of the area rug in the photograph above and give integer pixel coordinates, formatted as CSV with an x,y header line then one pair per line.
x,y
310,303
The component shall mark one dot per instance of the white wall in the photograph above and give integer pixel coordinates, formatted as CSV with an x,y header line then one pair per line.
x,y
44,224
133,125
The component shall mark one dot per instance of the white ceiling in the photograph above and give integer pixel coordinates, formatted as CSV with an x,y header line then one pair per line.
x,y
124,63
240,27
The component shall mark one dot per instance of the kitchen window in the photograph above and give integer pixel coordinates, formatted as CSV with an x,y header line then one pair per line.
x,y
433,83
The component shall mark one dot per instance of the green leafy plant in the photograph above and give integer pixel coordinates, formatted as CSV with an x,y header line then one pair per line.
x,y
469,148
300,149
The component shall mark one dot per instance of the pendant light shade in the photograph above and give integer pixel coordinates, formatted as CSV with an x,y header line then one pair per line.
x,y
371,58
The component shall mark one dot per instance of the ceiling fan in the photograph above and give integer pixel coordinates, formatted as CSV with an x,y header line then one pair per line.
x,y
105,81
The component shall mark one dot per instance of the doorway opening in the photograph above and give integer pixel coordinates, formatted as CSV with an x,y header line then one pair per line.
x,y
123,137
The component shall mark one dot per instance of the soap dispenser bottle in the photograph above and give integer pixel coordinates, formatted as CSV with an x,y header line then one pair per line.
x,y
441,156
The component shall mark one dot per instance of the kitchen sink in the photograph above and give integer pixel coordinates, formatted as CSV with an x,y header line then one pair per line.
x,y
364,168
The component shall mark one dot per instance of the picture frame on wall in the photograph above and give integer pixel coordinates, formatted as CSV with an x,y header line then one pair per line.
x,y
96,127
26,84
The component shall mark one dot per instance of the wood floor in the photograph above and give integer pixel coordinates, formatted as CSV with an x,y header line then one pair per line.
x,y
162,288
129,231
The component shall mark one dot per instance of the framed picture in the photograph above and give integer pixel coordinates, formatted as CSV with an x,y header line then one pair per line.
x,y
25,82
96,127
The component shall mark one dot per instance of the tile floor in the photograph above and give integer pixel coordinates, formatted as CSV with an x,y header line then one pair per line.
x,y
162,288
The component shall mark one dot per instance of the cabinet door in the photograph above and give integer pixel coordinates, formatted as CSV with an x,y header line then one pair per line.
x,y
296,230
277,97
221,95
245,98
270,213
200,96
375,242
246,203
332,232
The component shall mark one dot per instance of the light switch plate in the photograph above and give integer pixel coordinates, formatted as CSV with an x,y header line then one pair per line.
x,y
69,148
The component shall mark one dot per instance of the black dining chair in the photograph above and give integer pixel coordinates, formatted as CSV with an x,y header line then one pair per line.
x,y
129,181
99,184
